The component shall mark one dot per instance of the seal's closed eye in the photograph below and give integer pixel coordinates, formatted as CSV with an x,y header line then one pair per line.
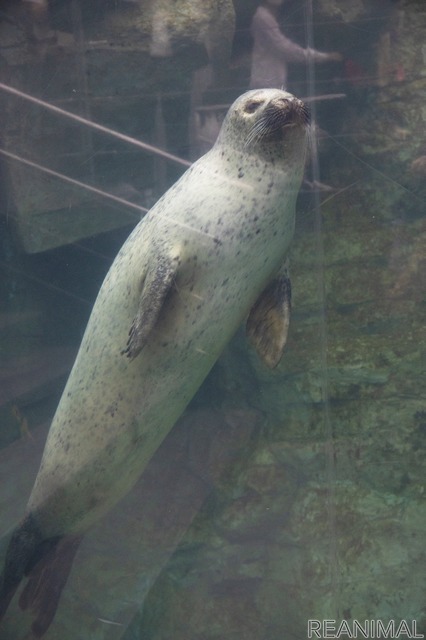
x,y
253,105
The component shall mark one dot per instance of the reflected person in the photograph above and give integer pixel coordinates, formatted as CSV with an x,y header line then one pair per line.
x,y
273,51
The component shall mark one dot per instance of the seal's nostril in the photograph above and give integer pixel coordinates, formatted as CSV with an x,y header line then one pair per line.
x,y
295,106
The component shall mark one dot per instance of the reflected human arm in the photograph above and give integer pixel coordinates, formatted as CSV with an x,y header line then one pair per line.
x,y
266,29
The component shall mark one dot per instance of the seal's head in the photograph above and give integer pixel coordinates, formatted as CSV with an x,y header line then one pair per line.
x,y
269,123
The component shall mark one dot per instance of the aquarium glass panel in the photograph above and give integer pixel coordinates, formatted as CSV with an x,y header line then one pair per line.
x,y
212,319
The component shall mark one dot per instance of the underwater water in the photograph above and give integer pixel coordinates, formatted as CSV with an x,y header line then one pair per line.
x,y
285,503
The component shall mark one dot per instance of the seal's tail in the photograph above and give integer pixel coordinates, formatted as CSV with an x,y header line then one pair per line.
x,y
46,563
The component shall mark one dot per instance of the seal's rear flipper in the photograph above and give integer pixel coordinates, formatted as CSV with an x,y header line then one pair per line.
x,y
46,563
269,319
23,551
46,581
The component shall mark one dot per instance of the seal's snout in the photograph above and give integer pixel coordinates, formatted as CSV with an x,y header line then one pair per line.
x,y
271,117
292,110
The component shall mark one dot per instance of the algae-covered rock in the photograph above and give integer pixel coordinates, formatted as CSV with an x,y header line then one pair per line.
x,y
339,552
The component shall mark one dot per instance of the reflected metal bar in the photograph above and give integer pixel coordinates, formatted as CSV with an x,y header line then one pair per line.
x,y
45,283
115,134
72,181
325,96
374,169
329,447
82,84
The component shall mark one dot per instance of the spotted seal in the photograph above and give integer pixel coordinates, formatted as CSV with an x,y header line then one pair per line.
x,y
209,254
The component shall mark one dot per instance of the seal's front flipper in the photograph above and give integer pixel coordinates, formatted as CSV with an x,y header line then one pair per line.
x,y
269,319
157,284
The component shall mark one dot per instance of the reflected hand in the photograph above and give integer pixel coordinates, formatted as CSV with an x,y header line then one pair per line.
x,y
335,56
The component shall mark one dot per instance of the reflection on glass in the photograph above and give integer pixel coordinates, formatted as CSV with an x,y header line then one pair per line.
x,y
281,498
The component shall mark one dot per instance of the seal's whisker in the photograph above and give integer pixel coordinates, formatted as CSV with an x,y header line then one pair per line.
x,y
269,123
253,137
259,130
